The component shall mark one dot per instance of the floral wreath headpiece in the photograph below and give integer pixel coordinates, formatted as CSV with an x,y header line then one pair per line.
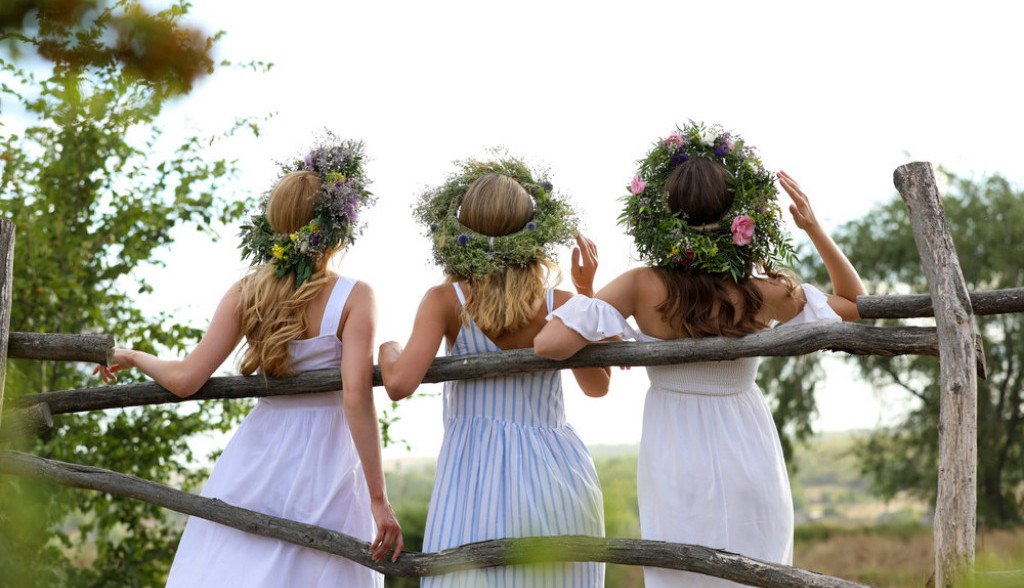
x,y
463,252
748,235
339,163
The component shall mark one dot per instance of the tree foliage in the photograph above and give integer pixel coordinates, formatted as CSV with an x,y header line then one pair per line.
x,y
95,187
985,220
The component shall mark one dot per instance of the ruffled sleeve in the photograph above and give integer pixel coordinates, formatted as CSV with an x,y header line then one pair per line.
x,y
815,310
593,319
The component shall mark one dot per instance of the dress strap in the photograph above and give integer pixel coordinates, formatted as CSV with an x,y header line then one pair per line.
x,y
458,292
551,300
335,305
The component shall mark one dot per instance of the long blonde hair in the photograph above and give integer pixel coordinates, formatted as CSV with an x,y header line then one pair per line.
x,y
271,310
508,299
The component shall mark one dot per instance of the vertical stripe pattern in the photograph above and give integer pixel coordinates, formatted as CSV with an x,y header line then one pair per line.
x,y
511,466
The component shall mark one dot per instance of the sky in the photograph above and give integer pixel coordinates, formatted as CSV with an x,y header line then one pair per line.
x,y
837,94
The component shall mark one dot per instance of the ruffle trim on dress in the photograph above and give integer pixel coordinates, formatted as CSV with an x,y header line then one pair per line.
x,y
593,319
816,309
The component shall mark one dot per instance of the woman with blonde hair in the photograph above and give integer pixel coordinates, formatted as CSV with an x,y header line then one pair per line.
x,y
510,465
313,458
704,215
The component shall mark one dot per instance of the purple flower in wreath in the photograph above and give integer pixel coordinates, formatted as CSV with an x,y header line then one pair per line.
x,y
531,226
547,186
314,239
463,239
720,151
679,158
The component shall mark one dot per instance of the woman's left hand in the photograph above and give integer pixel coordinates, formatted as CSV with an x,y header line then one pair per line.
x,y
584,265
389,532
120,362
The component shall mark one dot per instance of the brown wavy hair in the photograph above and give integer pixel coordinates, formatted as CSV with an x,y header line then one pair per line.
x,y
697,303
272,312
508,299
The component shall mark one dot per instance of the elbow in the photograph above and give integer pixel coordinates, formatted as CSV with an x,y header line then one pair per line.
x,y
183,387
396,387
545,346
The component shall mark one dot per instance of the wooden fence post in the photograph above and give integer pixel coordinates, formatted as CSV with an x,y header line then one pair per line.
x,y
956,502
6,275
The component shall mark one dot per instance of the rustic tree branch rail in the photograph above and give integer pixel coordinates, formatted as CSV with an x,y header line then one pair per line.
x,y
984,302
794,340
483,554
62,347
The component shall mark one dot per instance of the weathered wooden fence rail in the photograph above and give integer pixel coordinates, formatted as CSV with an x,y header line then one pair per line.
x,y
693,558
62,347
795,340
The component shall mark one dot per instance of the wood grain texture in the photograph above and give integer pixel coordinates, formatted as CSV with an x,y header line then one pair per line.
x,y
956,502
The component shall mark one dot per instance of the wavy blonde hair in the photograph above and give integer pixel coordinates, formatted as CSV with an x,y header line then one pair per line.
x,y
271,310
508,299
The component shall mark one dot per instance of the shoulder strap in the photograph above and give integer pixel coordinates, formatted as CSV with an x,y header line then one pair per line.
x,y
335,305
551,300
458,292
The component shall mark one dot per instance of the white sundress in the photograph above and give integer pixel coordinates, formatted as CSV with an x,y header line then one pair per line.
x,y
511,466
711,470
292,457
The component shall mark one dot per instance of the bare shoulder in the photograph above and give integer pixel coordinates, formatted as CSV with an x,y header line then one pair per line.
x,y
783,299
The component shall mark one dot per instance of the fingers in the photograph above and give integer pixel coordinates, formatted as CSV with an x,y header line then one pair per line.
x,y
388,534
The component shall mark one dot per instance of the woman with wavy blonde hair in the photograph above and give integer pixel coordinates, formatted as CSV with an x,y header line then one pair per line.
x,y
313,458
510,465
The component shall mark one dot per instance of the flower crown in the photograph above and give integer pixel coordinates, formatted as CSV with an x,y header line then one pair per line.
x,y
465,253
748,235
339,163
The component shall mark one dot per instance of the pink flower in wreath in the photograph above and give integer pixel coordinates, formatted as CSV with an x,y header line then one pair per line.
x,y
742,230
676,139
637,186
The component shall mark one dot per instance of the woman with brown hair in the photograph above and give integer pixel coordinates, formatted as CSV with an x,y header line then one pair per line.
x,y
704,216
313,458
510,465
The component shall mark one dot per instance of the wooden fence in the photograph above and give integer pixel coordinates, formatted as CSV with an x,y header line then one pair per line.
x,y
952,338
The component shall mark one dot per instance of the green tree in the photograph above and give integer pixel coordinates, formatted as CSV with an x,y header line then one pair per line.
x,y
92,199
985,221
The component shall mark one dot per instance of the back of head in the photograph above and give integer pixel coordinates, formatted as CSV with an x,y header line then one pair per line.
x,y
272,310
292,201
506,299
697,189
495,205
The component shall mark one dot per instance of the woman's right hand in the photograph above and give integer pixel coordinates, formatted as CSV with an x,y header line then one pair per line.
x,y
801,210
389,532
583,273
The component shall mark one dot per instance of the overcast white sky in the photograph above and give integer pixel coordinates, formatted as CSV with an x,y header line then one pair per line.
x,y
838,95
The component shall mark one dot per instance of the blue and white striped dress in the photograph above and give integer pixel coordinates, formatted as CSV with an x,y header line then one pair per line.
x,y
511,466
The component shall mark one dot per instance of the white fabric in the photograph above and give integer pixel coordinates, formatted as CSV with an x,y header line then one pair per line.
x,y
593,319
711,470
292,457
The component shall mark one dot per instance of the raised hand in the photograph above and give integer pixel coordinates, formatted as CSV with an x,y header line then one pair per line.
x,y
584,265
801,210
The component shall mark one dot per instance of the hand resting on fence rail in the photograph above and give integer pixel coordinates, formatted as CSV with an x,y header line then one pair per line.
x,y
577,548
795,340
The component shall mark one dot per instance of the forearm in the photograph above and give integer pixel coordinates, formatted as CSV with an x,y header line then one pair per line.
x,y
593,381
168,373
361,414
846,282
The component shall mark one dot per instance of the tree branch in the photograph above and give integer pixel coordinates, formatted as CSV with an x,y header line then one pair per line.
x,y
692,558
